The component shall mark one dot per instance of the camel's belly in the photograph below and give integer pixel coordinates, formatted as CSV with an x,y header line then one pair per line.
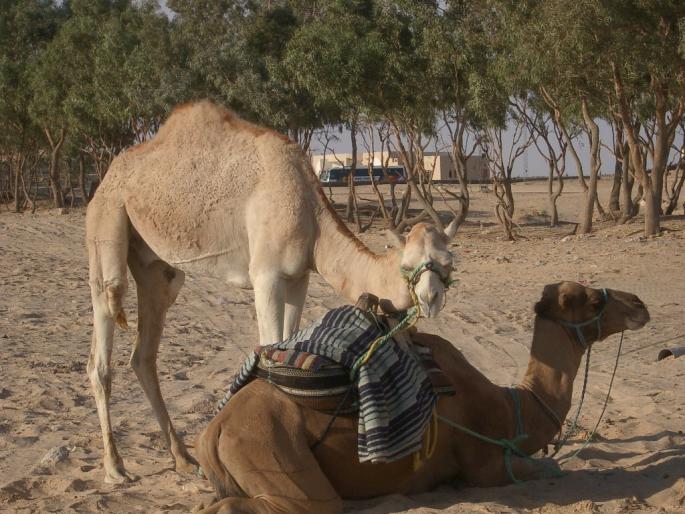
x,y
214,244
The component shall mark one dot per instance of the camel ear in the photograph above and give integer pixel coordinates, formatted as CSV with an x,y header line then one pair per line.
x,y
394,238
542,307
451,229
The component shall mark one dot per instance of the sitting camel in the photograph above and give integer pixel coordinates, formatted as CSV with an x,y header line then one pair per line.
x,y
214,195
257,451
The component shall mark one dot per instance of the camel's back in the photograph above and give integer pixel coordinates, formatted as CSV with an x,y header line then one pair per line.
x,y
205,152
204,167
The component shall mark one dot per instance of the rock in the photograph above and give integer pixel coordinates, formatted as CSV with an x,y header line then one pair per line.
x,y
501,258
54,456
181,375
566,239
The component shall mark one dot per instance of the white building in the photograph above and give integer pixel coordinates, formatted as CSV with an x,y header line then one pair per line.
x,y
440,164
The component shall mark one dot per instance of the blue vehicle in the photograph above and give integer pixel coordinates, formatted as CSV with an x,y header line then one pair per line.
x,y
338,176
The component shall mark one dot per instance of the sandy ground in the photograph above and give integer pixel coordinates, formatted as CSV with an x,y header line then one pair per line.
x,y
637,463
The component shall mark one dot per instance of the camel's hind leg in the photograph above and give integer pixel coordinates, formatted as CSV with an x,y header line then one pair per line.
x,y
257,455
107,240
158,285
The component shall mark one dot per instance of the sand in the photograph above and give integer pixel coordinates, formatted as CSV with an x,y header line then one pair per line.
x,y
50,445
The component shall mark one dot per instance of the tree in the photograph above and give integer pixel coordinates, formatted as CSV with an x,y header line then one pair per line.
x,y
26,27
559,46
336,58
648,76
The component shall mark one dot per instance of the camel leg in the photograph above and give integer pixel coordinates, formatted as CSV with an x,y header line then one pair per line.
x,y
257,455
235,505
269,296
535,469
107,239
295,295
100,375
158,285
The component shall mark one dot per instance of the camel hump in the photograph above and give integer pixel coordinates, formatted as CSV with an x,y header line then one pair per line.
x,y
205,114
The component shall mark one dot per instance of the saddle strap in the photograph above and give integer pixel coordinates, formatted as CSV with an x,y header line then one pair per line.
x,y
304,385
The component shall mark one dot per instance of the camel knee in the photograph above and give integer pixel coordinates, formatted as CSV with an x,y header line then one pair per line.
x,y
100,376
214,468
142,362
176,280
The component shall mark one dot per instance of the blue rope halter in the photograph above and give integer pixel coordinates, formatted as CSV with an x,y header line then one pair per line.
x,y
579,326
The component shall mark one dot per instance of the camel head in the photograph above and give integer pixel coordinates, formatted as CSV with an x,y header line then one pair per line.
x,y
591,314
425,254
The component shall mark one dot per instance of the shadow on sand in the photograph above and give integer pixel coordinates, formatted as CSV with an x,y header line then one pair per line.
x,y
659,470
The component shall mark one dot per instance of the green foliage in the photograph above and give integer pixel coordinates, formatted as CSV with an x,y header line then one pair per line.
x,y
109,71
26,27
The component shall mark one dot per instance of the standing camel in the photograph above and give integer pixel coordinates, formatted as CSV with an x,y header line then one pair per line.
x,y
257,451
212,194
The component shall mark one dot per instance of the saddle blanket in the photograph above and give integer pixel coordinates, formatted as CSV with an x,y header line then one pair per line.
x,y
394,390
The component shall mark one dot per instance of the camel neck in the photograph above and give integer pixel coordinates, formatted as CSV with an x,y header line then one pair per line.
x,y
352,269
547,388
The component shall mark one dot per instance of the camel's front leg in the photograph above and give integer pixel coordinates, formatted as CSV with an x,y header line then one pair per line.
x,y
269,296
295,296
535,469
235,505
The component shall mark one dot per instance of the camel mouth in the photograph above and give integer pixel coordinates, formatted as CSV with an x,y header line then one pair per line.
x,y
638,321
430,310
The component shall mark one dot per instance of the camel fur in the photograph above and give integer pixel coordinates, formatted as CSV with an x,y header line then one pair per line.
x,y
257,450
212,194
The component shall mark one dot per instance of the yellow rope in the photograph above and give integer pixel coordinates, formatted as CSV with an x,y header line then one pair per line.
x,y
430,436
430,442
409,321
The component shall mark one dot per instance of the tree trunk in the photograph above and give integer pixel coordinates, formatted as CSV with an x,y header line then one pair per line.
x,y
614,204
677,188
665,134
462,176
393,201
595,164
552,194
554,211
589,207
53,171
637,199
627,181
619,158
351,197
15,189
82,179
509,195
652,208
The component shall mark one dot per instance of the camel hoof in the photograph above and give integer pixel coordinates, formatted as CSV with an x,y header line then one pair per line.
x,y
118,477
188,466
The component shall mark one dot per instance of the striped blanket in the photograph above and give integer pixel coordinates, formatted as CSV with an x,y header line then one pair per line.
x,y
394,391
